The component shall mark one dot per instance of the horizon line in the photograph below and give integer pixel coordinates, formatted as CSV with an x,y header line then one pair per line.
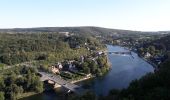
x,y
11,28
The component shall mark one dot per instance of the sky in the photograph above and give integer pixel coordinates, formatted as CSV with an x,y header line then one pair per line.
x,y
140,15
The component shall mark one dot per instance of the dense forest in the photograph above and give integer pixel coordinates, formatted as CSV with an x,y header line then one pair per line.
x,y
163,43
17,81
17,48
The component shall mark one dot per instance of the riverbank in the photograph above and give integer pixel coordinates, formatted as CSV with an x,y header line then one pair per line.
x,y
108,61
75,81
83,79
107,56
150,62
147,60
24,95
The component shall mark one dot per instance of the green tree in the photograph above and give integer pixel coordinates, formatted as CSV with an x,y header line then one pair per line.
x,y
2,84
17,90
102,60
152,50
86,70
2,96
93,67
38,85
98,72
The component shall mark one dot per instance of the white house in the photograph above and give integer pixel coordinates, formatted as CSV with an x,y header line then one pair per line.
x,y
55,70
147,55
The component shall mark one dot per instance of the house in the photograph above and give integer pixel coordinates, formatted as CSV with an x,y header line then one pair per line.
x,y
60,66
65,33
147,55
67,65
55,70
88,75
118,41
72,67
100,53
71,64
158,59
82,59
77,47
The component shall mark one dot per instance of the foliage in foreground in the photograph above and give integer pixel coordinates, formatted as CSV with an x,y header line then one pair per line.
x,y
19,80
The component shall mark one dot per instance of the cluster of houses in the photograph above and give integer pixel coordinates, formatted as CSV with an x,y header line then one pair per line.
x,y
147,55
71,65
67,34
125,42
157,59
68,66
132,46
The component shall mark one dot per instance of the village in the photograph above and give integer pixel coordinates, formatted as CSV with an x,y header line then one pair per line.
x,y
151,54
85,67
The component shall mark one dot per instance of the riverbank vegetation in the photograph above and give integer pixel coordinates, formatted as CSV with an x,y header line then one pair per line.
x,y
97,67
18,81
155,51
153,86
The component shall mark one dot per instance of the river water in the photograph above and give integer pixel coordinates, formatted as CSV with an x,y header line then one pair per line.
x,y
125,68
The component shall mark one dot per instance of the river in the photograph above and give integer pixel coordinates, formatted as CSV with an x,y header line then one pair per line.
x,y
124,69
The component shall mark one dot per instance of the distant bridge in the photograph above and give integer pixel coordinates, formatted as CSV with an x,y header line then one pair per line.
x,y
120,53
57,79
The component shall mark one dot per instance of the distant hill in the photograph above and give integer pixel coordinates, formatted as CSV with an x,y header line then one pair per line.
x,y
79,30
